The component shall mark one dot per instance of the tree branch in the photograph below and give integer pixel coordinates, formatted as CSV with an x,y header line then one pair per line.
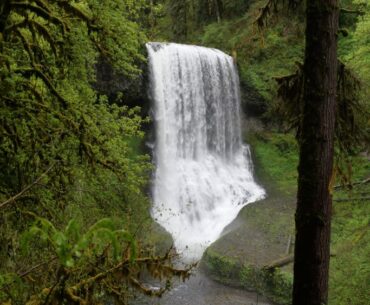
x,y
26,45
280,262
352,199
25,273
39,11
43,5
348,11
46,81
73,10
367,180
44,32
283,261
27,188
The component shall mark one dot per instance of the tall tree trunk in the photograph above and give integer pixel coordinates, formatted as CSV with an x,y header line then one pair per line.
x,y
314,201
218,9
178,12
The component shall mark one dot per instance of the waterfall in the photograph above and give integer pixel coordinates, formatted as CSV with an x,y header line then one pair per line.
x,y
203,174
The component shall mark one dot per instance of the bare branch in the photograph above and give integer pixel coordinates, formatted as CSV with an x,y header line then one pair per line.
x,y
265,12
280,262
26,45
348,11
145,290
46,81
43,5
270,7
44,32
352,184
27,188
25,273
14,26
352,199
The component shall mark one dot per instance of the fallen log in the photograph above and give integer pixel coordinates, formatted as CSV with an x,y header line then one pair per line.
x,y
352,199
280,262
284,261
367,180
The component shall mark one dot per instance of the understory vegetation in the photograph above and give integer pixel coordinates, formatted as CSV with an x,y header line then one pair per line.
x,y
266,39
276,158
73,203
75,225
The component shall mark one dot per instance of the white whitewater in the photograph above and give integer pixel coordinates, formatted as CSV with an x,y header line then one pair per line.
x,y
203,173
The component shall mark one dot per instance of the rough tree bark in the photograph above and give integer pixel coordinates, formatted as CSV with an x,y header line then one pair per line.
x,y
314,200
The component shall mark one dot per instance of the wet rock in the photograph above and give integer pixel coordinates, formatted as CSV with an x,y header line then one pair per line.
x,y
253,104
122,89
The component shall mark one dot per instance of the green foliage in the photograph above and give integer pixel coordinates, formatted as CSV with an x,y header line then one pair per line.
x,y
261,54
351,116
351,244
178,11
90,267
209,10
49,111
70,158
186,18
70,245
225,269
355,50
276,284
350,227
277,156
233,8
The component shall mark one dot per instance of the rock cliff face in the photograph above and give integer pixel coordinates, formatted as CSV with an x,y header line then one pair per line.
x,y
253,104
113,84
135,91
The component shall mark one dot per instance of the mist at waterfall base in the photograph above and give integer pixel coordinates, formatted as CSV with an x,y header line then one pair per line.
x,y
203,171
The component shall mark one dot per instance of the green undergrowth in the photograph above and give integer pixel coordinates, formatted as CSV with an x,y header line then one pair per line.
x,y
224,269
274,284
151,235
276,158
264,227
262,53
260,233
350,268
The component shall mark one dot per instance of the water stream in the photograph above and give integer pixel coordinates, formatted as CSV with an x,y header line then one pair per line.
x,y
203,173
200,290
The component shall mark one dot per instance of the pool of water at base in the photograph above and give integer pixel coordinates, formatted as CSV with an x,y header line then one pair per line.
x,y
201,290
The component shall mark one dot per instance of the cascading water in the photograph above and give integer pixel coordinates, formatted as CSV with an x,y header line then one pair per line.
x,y
203,173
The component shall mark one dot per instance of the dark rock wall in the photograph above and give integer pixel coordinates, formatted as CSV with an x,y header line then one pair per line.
x,y
135,92
252,103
